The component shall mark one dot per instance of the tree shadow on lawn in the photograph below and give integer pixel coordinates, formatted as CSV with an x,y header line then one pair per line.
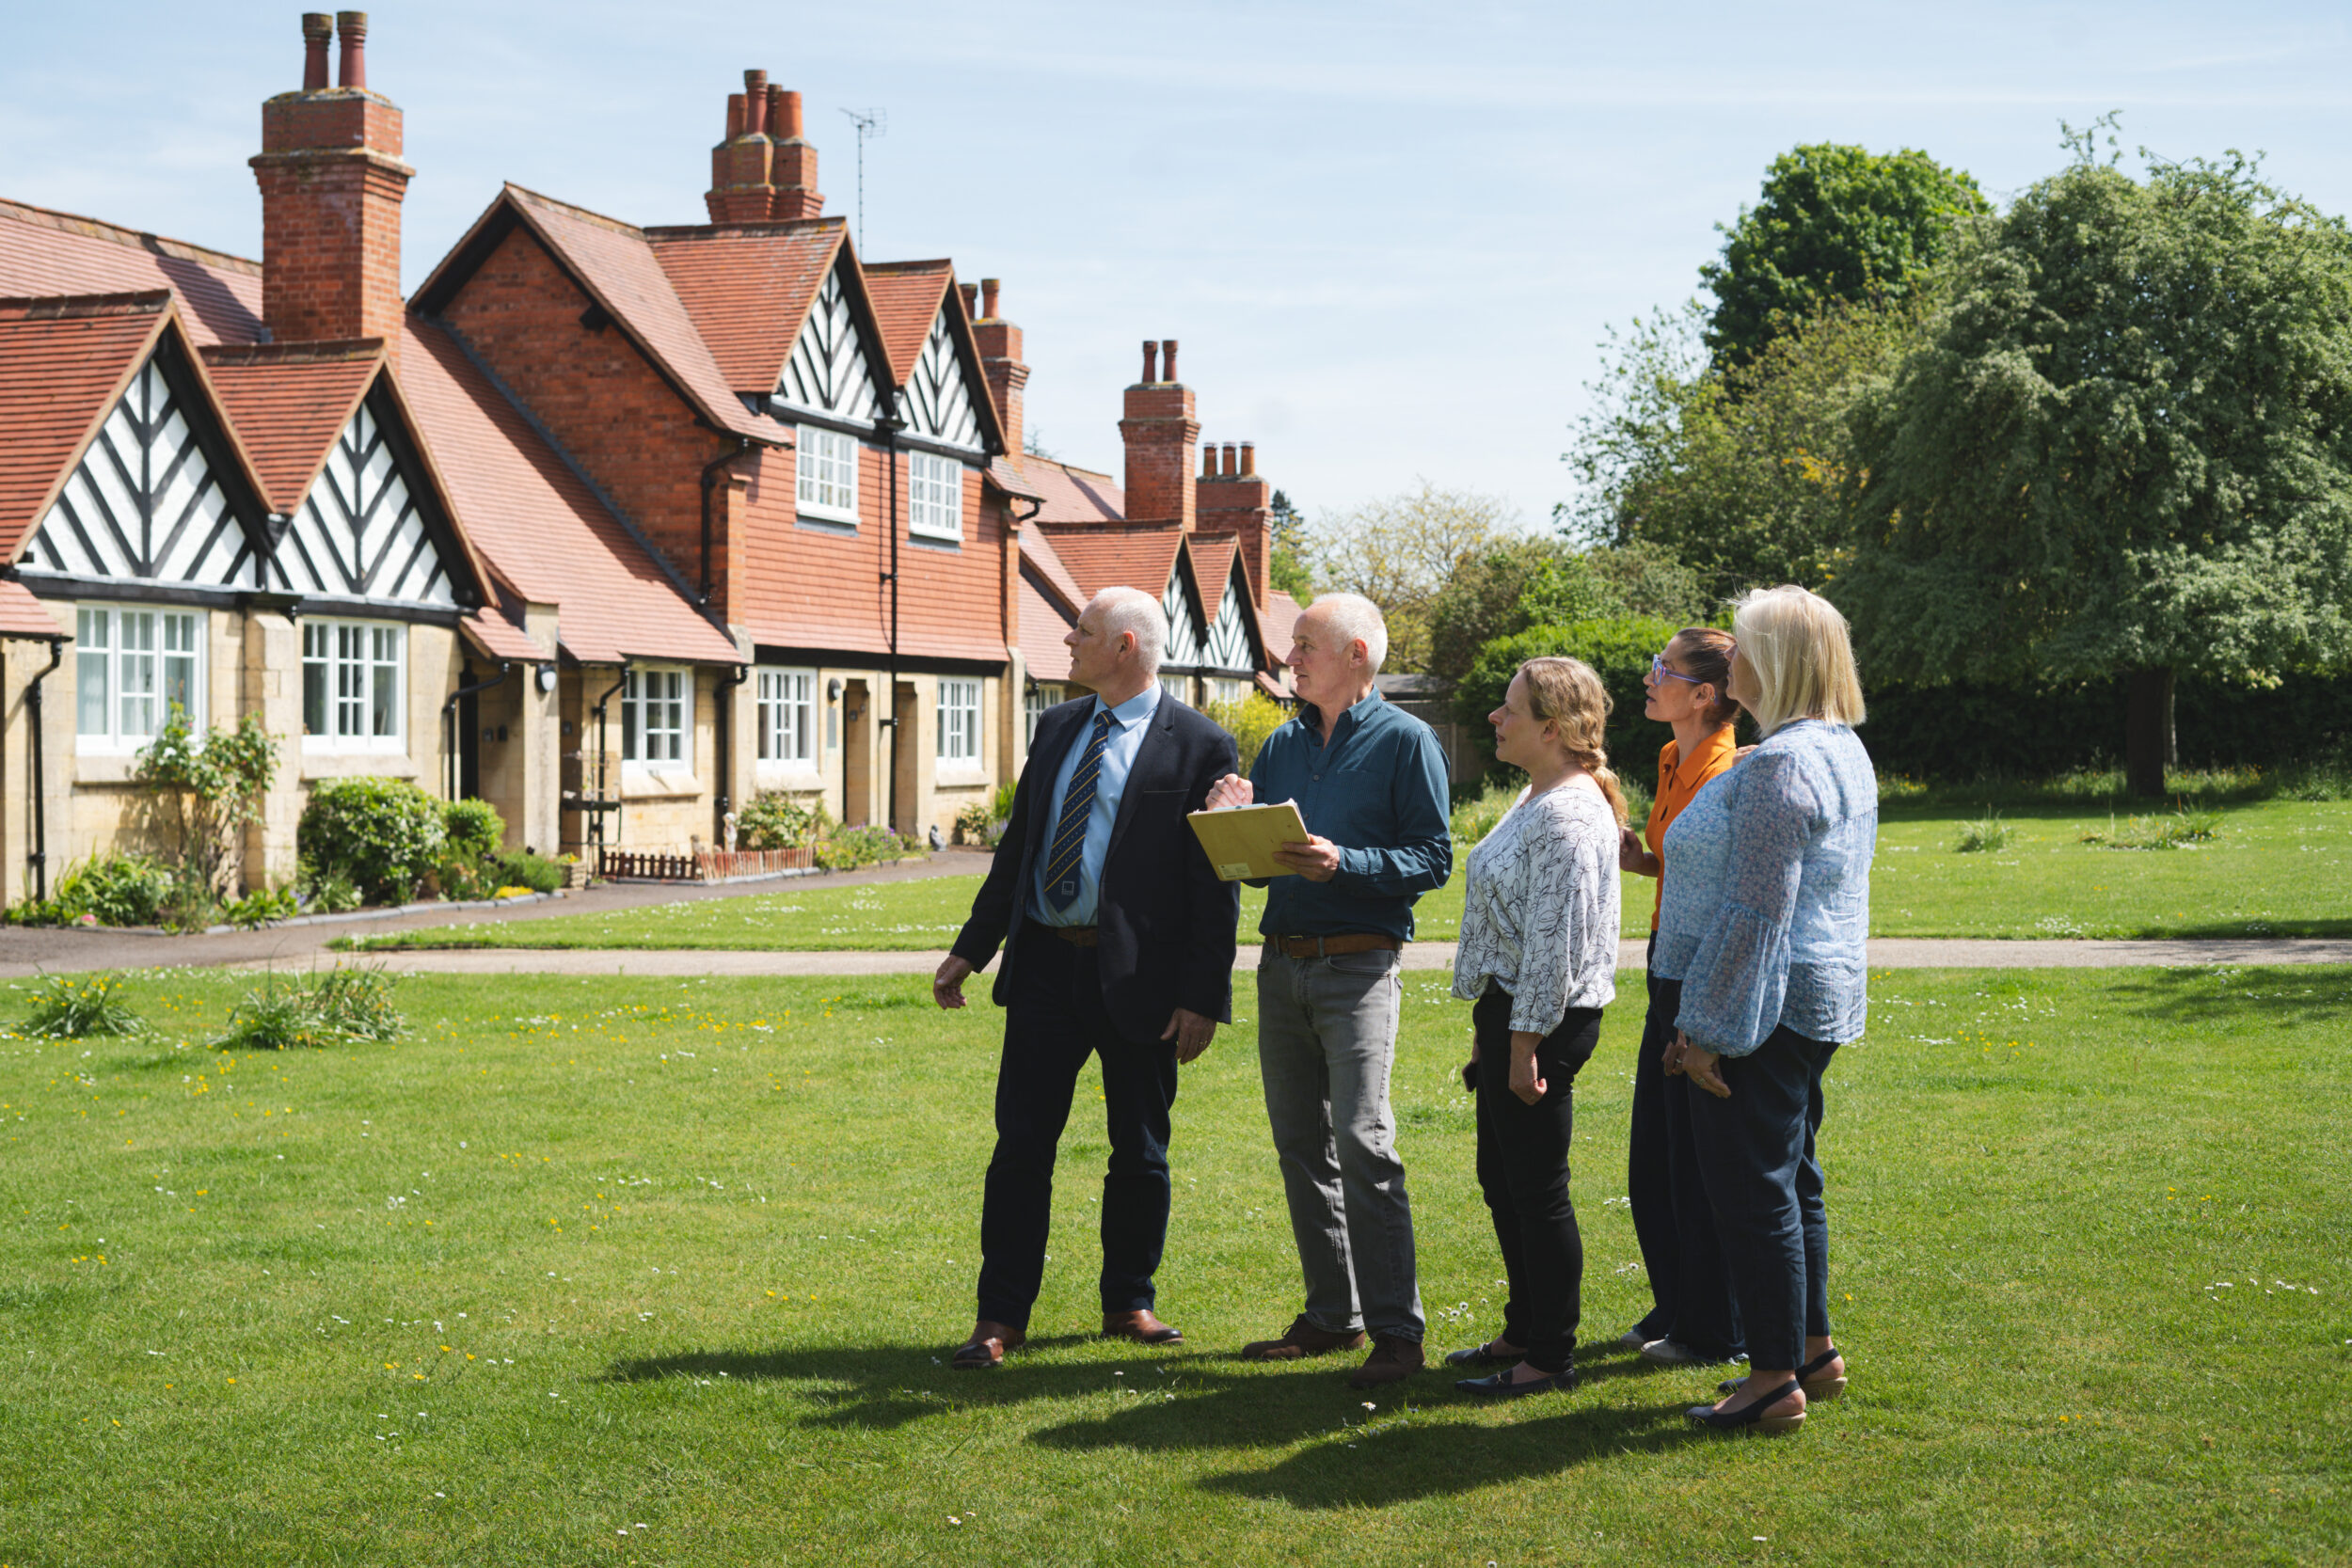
x,y
1173,1403
2281,996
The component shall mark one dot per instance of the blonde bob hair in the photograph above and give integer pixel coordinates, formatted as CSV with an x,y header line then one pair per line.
x,y
1567,693
1797,645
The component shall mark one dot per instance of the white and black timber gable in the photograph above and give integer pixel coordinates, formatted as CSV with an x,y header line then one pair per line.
x,y
370,529
158,499
1186,627
1233,643
830,370
943,393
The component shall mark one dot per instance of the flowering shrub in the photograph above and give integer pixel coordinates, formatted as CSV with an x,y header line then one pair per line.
x,y
771,820
74,1007
385,835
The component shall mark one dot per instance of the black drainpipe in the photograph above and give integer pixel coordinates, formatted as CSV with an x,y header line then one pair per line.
x,y
618,681
448,721
891,425
40,856
723,720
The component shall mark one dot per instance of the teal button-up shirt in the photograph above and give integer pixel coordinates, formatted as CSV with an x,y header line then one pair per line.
x,y
1376,787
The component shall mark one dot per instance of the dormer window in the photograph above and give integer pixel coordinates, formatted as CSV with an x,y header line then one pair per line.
x,y
828,474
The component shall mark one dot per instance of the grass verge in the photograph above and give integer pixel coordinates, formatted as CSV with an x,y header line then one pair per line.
x,y
591,1270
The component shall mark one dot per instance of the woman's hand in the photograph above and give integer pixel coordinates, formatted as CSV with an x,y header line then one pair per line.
x,y
1633,855
1524,1083
1697,1063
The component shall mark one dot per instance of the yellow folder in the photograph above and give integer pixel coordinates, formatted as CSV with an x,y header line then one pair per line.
x,y
1241,840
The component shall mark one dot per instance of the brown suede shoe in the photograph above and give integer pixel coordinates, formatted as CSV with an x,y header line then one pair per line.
x,y
1393,1360
987,1346
1300,1340
1140,1326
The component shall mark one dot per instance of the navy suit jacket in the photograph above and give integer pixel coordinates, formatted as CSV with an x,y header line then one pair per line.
x,y
1166,920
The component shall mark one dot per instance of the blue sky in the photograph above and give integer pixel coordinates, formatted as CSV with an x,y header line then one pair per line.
x,y
1390,238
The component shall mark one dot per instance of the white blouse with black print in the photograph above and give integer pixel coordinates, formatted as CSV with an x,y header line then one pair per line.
x,y
1541,909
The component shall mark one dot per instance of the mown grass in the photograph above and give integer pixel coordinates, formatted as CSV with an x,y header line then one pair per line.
x,y
2272,868
594,1271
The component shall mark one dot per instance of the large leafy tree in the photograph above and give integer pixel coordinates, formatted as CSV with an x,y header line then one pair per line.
x,y
1398,551
1834,222
2125,451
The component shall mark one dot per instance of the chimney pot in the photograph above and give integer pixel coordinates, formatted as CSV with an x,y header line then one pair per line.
x,y
1231,471
971,293
988,296
352,71
1208,460
1249,459
317,27
783,114
734,116
1151,361
755,102
1167,352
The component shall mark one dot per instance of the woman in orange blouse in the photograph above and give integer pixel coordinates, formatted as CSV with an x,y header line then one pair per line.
x,y
1692,1319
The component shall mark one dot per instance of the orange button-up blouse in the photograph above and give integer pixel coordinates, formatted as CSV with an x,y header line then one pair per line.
x,y
1677,780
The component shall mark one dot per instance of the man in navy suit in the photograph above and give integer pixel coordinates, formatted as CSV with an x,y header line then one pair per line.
x,y
1119,944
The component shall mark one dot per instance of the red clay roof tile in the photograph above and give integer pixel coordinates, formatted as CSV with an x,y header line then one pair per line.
x,y
500,637
1119,556
44,252
538,524
1037,548
63,364
1073,495
22,615
289,403
1006,474
1044,653
748,289
907,296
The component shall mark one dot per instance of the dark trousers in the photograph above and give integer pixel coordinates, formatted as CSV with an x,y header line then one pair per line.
x,y
1523,1173
1757,1158
1690,1290
1054,1021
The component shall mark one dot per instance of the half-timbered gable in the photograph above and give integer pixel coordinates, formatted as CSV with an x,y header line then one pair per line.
x,y
362,531
828,372
156,500
1229,645
1186,632
940,402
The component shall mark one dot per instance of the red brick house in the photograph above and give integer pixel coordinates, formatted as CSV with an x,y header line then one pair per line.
x,y
613,526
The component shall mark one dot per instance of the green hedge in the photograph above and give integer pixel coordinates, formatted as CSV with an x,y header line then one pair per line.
x,y
386,834
1619,652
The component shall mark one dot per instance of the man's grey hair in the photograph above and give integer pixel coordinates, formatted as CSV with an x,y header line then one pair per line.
x,y
1131,609
1354,618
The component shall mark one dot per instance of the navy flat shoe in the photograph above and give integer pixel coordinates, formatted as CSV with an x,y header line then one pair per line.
x,y
1503,1386
1815,1385
1481,1356
1750,1415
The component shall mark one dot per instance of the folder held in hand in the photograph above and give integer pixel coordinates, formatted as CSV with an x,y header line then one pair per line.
x,y
1241,840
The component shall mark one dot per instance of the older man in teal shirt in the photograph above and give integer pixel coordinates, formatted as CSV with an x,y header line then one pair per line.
x,y
1370,781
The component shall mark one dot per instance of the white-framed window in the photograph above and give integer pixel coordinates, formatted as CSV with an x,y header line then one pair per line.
x,y
960,721
827,463
1176,687
935,489
354,686
130,666
787,717
1222,690
655,707
1042,695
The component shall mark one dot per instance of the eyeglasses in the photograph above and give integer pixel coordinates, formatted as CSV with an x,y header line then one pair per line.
x,y
1658,668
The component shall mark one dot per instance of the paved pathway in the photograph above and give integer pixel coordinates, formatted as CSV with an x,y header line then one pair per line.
x,y
1889,953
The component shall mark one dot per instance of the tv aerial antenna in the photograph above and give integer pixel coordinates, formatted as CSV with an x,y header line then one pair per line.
x,y
870,122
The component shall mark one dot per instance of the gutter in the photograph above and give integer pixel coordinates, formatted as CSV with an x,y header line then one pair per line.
x,y
39,857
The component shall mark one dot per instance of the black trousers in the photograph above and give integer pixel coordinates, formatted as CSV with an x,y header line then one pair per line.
x,y
1690,1288
1756,1157
1054,1021
1524,1174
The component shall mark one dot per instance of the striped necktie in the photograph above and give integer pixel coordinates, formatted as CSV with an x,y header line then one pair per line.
x,y
1070,834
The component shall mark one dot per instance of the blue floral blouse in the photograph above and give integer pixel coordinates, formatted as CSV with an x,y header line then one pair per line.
x,y
1766,915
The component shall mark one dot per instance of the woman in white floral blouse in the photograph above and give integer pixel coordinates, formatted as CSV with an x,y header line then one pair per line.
x,y
1538,955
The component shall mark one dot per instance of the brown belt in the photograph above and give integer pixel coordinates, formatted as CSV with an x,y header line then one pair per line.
x,y
1078,936
1324,947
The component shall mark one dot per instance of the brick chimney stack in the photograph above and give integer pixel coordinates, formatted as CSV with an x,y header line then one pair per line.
x,y
1234,499
765,171
1000,361
1159,431
331,181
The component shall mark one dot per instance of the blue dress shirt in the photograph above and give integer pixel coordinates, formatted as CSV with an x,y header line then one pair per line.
x,y
1129,720
1376,787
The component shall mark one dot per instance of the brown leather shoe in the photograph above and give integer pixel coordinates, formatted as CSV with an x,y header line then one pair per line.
x,y
1393,1360
987,1346
1140,1326
1300,1340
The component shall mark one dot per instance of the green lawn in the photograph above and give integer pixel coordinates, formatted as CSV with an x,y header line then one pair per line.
x,y
595,1271
2276,868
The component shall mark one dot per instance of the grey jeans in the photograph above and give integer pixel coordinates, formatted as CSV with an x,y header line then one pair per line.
x,y
1327,1044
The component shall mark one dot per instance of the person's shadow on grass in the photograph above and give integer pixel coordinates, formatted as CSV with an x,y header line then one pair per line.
x,y
1414,1442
